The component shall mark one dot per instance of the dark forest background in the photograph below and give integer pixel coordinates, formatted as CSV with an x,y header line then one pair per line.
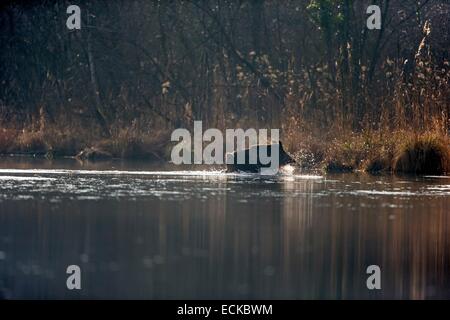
x,y
138,69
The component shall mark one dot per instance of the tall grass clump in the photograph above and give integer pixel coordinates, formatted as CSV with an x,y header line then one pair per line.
x,y
424,154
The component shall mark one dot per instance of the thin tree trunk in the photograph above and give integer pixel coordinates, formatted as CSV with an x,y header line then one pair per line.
x,y
99,113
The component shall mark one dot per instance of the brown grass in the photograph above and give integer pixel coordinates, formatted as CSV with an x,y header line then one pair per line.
x,y
399,150
68,138
7,139
424,154
133,143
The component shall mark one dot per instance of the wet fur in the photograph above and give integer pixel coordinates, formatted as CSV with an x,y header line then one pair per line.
x,y
284,159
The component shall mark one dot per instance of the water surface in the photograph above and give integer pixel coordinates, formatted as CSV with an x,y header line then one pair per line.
x,y
154,231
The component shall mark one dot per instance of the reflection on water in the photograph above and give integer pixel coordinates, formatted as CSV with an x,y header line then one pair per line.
x,y
146,231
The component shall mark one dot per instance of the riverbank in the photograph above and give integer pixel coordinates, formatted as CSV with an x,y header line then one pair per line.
x,y
401,151
73,141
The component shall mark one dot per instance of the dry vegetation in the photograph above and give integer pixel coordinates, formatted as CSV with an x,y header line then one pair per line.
x,y
380,151
69,138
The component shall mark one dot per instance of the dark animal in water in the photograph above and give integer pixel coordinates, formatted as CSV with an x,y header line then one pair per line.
x,y
283,157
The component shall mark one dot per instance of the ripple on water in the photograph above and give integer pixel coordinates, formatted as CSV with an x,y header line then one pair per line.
x,y
26,178
22,184
421,192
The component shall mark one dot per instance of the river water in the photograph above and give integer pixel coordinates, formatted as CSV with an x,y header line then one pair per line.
x,y
152,231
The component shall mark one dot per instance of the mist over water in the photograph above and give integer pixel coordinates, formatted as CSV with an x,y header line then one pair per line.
x,y
153,231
